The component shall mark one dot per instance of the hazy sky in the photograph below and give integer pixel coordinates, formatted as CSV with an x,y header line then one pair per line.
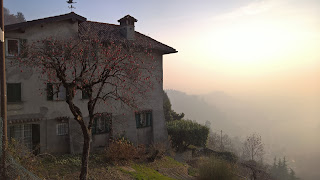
x,y
237,46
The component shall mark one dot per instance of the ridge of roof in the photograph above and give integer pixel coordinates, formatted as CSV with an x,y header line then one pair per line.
x,y
103,23
72,16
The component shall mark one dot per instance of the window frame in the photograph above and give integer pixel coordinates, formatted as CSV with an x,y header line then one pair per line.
x,y
7,47
17,99
146,122
21,133
107,118
62,129
53,92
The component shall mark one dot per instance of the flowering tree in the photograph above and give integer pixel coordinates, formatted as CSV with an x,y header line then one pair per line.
x,y
107,71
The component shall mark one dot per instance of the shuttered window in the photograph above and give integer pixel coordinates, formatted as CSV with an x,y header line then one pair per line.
x,y
56,92
12,47
143,119
14,92
102,123
85,94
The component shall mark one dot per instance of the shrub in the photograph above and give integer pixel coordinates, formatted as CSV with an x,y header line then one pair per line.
x,y
121,149
186,132
159,148
215,168
22,154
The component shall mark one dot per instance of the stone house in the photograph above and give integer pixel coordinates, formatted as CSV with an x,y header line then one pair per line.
x,y
45,121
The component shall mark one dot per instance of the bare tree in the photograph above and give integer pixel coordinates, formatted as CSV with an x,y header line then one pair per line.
x,y
109,72
218,143
253,148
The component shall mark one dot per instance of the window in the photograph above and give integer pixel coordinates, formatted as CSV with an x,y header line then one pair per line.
x,y
22,133
14,92
102,123
12,47
85,94
143,119
62,129
56,92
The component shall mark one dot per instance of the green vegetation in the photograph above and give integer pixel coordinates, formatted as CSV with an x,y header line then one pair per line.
x,y
169,113
186,132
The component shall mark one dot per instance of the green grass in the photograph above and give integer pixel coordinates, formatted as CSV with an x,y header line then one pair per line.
x,y
166,162
143,172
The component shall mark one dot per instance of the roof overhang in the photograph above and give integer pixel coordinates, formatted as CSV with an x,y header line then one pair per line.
x,y
73,17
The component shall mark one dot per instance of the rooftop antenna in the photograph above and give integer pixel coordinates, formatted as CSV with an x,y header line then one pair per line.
x,y
71,7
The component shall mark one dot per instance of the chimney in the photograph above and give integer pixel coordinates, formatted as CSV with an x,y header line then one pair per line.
x,y
127,27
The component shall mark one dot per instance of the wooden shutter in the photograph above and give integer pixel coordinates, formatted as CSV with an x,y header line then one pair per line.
x,y
149,118
49,91
138,120
23,48
107,122
10,97
14,92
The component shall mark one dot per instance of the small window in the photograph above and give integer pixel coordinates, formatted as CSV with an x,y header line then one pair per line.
x,y
102,123
56,92
12,47
62,129
144,119
14,92
85,94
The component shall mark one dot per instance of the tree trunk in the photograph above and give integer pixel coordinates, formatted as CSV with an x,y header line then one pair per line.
x,y
85,153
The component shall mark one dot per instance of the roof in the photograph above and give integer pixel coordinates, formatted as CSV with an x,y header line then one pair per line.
x,y
128,17
70,16
105,31
111,32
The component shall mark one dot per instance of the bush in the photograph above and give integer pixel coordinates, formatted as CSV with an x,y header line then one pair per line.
x,y
186,132
225,155
121,149
22,154
215,168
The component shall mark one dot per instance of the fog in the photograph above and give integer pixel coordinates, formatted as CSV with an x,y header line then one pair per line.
x,y
289,126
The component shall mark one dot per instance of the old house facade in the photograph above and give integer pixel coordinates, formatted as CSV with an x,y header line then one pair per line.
x,y
42,119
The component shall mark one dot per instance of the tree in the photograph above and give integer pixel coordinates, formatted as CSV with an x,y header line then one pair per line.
x,y
214,142
169,113
253,148
281,171
167,107
186,132
110,73
11,18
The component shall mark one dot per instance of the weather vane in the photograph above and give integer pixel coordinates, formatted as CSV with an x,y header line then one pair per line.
x,y
71,7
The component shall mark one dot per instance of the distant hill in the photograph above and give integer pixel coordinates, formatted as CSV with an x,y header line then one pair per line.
x,y
288,126
202,109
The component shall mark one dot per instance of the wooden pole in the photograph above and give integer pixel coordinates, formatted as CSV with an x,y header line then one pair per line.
x,y
3,94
